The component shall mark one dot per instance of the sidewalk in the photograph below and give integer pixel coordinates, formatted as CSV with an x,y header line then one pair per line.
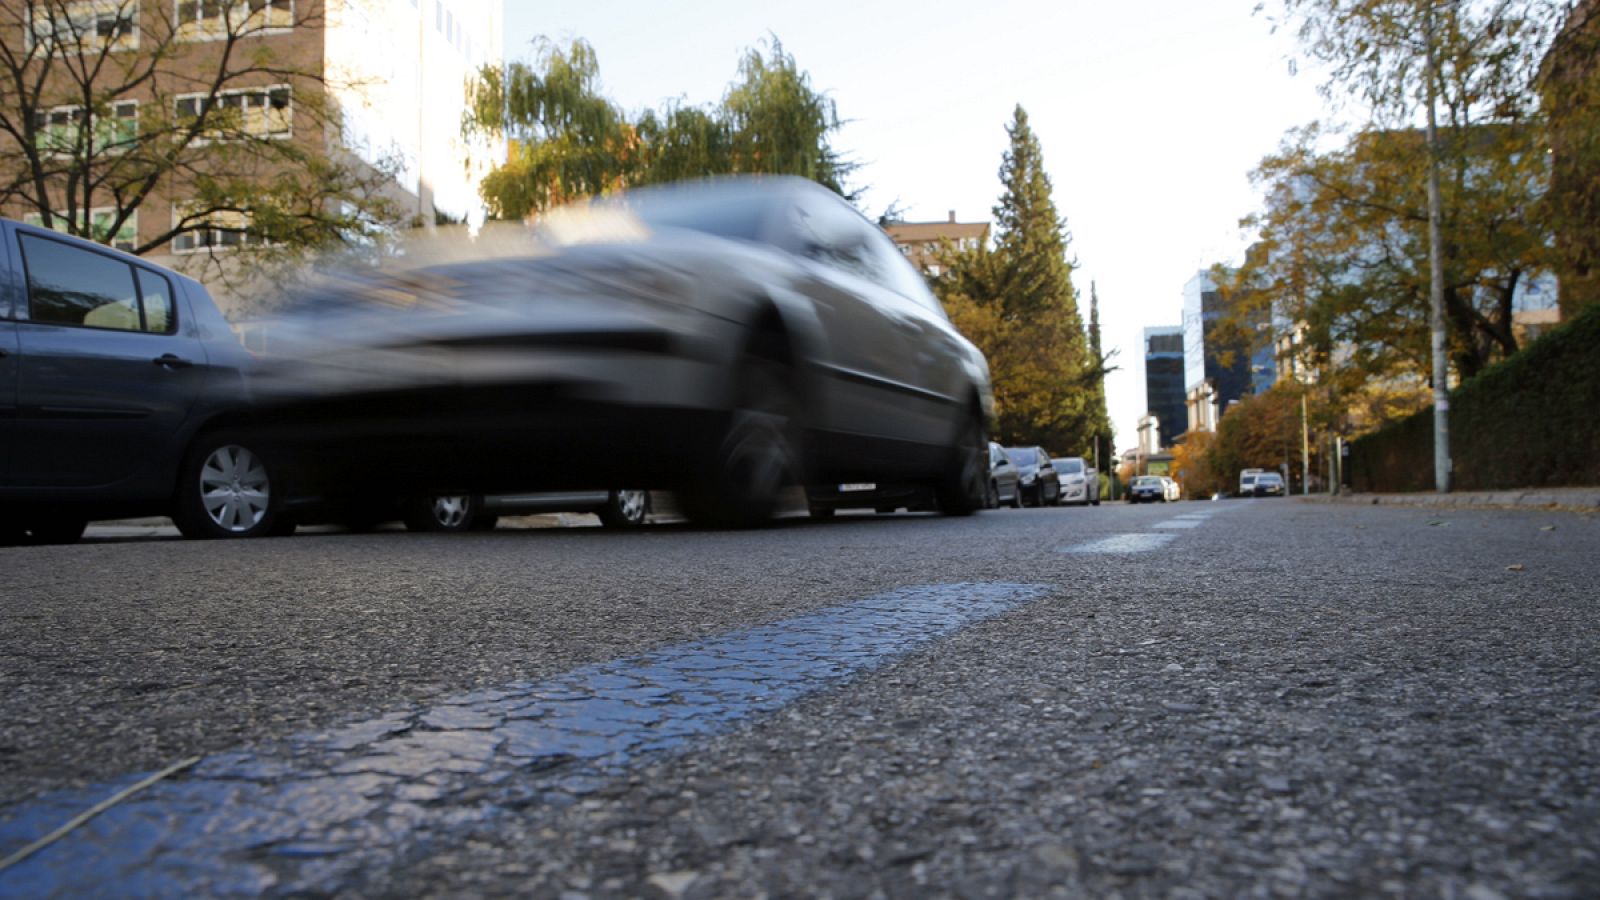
x,y
1578,499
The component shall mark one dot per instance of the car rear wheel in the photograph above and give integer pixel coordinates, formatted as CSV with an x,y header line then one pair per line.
x,y
961,491
225,490
740,487
443,512
1016,497
625,509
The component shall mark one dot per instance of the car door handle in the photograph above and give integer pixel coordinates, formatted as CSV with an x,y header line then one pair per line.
x,y
172,361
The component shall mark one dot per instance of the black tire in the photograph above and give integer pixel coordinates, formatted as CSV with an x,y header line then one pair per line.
x,y
960,491
822,512
991,499
442,512
226,489
756,460
57,530
625,509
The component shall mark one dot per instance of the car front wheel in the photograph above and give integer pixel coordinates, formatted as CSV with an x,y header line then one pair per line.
x,y
225,490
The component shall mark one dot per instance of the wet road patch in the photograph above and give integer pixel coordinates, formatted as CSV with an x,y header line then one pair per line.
x,y
307,814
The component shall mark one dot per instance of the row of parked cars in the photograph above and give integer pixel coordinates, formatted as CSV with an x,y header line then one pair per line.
x,y
1029,476
726,340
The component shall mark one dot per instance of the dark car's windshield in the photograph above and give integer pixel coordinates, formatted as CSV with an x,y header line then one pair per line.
x,y
1023,456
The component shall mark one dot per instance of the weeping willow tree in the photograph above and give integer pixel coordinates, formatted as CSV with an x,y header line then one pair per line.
x,y
568,140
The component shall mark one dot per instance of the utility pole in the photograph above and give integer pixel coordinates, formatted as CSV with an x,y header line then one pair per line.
x,y
1441,387
1305,446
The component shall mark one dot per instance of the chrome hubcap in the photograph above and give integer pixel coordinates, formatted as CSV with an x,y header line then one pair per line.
x,y
451,511
234,488
631,505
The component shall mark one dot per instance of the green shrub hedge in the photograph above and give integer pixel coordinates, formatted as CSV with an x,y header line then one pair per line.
x,y
1530,421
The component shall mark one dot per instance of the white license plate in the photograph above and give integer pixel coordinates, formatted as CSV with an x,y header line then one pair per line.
x,y
857,487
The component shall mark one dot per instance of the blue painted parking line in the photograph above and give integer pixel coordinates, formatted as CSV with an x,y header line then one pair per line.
x,y
303,815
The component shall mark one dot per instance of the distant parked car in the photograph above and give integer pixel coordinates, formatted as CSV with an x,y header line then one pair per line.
x,y
121,388
1040,483
1247,481
1080,483
471,512
1268,484
1171,490
1004,486
1147,489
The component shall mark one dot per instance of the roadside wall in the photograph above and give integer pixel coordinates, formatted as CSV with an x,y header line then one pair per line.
x,y
1531,421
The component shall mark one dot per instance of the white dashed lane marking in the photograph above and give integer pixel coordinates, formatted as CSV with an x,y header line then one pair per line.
x,y
1123,543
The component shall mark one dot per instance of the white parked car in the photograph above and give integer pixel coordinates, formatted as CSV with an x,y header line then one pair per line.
x,y
1080,483
1170,490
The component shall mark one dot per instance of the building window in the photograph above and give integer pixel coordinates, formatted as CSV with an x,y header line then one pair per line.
x,y
85,25
213,19
219,230
56,131
100,219
257,112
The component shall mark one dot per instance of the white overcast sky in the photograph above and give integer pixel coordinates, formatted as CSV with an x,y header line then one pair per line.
x,y
1151,115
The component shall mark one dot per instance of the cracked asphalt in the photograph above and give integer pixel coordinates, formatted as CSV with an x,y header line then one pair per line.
x,y
1245,698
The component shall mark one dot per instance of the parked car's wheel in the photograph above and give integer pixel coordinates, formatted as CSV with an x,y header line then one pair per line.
x,y
991,499
1016,498
57,530
625,509
960,492
225,490
442,512
11,532
741,485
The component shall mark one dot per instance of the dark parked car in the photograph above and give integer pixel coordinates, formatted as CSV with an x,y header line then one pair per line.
x,y
1040,484
1005,483
725,339
1268,484
1148,489
121,393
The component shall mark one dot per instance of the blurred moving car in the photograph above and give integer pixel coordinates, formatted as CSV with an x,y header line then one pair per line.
x,y
1080,483
122,393
1148,489
725,339
1039,483
1268,484
1004,481
471,512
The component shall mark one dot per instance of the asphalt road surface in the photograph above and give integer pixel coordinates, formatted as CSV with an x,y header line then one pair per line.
x,y
1241,698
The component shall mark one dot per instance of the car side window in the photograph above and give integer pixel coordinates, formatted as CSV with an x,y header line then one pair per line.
x,y
69,285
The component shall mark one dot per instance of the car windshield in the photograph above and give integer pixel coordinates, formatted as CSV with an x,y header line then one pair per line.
x,y
725,210
1070,466
1269,479
1023,456
1147,481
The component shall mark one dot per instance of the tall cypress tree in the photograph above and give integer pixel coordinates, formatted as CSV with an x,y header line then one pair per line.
x,y
1043,377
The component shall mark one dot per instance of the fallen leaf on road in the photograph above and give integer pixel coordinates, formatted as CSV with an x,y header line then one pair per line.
x,y
1437,522
1515,567
1548,528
